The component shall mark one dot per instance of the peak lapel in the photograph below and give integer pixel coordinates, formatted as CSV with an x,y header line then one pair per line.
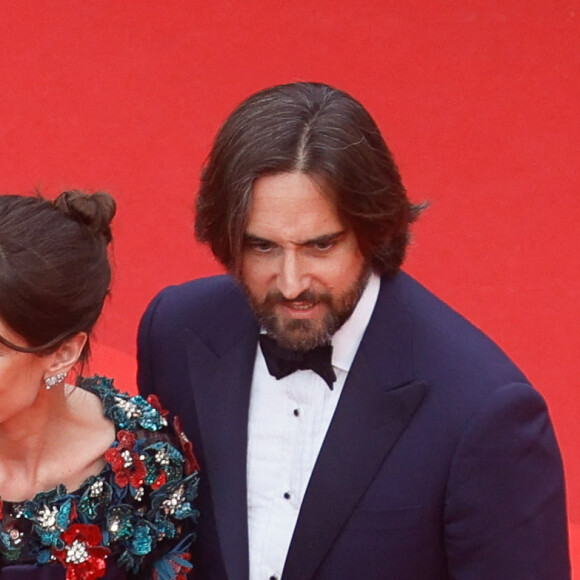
x,y
222,392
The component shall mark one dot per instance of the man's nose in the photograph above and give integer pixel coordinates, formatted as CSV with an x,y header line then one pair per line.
x,y
293,277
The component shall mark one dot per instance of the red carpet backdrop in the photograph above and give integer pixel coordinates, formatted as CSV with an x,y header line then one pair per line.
x,y
478,100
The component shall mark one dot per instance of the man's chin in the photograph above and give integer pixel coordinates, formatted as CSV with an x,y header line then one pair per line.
x,y
299,334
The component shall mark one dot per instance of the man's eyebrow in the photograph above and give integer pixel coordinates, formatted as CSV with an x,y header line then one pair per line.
x,y
257,239
324,239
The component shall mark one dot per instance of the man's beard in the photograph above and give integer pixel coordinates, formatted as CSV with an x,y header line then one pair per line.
x,y
305,334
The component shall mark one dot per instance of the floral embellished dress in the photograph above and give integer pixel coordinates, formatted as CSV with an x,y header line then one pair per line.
x,y
133,520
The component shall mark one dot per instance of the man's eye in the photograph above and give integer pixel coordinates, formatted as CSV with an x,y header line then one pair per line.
x,y
323,246
261,246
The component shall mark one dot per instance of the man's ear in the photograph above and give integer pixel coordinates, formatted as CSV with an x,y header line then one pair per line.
x,y
67,355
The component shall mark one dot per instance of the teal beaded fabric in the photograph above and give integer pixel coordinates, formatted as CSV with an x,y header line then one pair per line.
x,y
137,515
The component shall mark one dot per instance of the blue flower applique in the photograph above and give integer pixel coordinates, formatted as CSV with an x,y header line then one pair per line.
x,y
126,412
50,514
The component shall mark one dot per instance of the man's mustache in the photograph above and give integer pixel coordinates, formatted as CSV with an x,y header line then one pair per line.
x,y
275,297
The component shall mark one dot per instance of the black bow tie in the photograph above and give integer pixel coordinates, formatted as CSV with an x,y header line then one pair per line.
x,y
282,361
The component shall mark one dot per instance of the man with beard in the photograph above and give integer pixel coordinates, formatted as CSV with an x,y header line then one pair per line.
x,y
348,423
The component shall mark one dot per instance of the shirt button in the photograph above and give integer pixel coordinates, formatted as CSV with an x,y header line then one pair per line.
x,y
286,495
273,577
296,412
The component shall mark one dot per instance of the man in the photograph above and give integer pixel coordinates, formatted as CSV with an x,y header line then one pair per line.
x,y
421,452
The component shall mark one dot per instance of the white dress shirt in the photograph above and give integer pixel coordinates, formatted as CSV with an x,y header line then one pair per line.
x,y
287,424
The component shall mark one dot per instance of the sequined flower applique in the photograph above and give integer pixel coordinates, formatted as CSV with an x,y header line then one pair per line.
x,y
51,514
175,565
125,461
83,554
11,541
125,411
164,464
96,498
191,463
172,503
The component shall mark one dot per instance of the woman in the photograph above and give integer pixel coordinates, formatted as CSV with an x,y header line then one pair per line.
x,y
93,483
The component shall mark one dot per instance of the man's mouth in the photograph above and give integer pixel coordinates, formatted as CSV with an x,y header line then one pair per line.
x,y
299,309
300,305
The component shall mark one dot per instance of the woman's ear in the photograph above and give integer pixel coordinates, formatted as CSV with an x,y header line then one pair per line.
x,y
67,355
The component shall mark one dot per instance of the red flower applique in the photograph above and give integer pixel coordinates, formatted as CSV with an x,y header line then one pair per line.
x,y
191,463
126,464
153,400
83,556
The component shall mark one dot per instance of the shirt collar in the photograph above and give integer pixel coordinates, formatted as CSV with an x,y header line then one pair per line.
x,y
347,338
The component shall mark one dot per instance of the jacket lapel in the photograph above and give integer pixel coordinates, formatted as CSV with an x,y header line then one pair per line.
x,y
362,432
222,392
379,398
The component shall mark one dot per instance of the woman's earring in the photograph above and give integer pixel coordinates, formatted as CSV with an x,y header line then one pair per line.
x,y
50,382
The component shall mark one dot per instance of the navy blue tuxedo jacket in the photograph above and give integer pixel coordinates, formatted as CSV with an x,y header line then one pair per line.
x,y
439,463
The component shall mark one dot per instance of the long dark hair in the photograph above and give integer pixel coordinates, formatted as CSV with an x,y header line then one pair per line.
x,y
54,267
322,132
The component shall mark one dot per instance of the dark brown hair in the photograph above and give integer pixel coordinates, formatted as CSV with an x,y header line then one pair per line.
x,y
54,266
320,131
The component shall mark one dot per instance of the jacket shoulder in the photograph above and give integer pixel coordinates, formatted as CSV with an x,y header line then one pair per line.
x,y
199,305
441,337
200,293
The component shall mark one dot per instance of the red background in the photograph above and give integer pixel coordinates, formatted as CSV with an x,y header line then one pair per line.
x,y
478,99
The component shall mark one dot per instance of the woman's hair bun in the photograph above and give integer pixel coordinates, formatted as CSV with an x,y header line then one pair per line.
x,y
95,211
